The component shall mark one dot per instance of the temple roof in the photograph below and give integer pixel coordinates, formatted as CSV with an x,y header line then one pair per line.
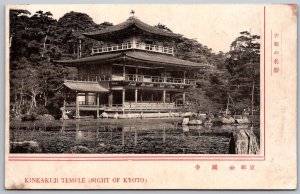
x,y
160,58
91,59
130,22
84,86
140,56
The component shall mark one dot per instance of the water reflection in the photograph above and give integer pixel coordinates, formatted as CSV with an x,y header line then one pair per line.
x,y
151,137
185,128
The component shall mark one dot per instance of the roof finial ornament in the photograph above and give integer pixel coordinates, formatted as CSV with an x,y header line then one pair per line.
x,y
132,13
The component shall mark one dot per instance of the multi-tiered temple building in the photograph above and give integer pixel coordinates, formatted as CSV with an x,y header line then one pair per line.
x,y
134,70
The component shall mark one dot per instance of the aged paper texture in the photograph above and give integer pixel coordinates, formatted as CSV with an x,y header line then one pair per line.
x,y
158,96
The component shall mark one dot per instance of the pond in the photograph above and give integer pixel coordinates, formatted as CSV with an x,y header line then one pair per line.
x,y
149,136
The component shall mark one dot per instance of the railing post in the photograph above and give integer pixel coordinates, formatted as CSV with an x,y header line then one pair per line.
x,y
124,70
98,100
123,97
77,107
135,95
134,44
110,99
164,96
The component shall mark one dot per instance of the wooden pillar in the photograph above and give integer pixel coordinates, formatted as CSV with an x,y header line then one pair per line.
x,y
135,95
77,107
74,48
136,73
110,99
79,48
124,70
183,97
152,95
141,95
173,46
184,72
86,98
123,97
64,116
65,100
98,103
164,96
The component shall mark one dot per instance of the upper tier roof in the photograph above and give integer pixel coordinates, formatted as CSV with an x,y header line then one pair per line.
x,y
139,56
130,22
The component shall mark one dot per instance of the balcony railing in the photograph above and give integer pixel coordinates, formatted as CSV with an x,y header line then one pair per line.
x,y
81,103
148,105
152,79
130,105
137,45
136,78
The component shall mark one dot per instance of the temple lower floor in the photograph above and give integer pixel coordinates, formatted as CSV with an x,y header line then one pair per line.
x,y
123,100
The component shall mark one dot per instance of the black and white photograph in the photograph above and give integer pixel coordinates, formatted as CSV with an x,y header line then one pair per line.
x,y
150,96
108,80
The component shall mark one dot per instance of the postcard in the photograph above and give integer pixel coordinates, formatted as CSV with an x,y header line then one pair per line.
x,y
151,96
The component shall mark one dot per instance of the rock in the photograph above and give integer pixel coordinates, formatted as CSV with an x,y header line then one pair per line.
x,y
80,150
65,117
185,128
104,115
45,117
243,120
243,141
25,147
116,116
201,115
185,121
227,120
195,122
122,116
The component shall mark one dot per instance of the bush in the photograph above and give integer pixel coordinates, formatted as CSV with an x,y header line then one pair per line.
x,y
41,110
28,117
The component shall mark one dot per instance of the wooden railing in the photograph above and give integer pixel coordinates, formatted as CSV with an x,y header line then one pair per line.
x,y
131,45
148,106
118,47
136,78
81,103
131,105
155,79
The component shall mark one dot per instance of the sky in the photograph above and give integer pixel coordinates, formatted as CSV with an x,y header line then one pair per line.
x,y
215,26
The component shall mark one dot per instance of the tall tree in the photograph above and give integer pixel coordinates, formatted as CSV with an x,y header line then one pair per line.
x,y
243,63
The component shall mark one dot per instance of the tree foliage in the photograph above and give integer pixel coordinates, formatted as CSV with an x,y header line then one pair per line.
x,y
243,64
37,39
